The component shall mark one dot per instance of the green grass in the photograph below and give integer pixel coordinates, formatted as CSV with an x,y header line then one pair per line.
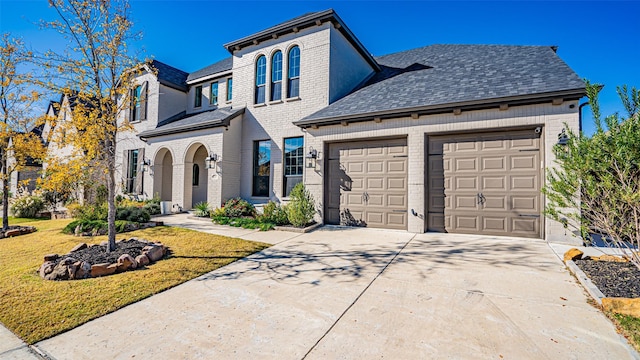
x,y
15,220
36,309
630,327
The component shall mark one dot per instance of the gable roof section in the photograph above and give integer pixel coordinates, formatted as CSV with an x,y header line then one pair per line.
x,y
299,23
184,123
218,67
170,76
438,78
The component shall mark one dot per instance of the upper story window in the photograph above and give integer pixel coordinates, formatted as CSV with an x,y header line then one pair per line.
x,y
276,76
261,79
293,85
138,110
213,94
198,99
229,89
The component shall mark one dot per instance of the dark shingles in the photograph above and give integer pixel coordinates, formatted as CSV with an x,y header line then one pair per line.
x,y
448,74
182,122
170,76
220,66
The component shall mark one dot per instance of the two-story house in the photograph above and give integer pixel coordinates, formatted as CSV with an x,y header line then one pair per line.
x,y
451,138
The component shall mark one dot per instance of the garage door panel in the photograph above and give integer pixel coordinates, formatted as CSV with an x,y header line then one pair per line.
x,y
376,174
502,170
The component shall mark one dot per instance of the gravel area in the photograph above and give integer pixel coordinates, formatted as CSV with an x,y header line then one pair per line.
x,y
614,279
98,254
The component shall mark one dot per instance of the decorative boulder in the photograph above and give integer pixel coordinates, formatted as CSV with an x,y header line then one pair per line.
x,y
65,270
126,262
102,269
83,270
46,268
573,254
607,257
51,257
142,260
153,252
79,247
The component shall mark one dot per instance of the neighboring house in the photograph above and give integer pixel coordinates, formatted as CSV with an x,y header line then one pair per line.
x,y
449,138
25,178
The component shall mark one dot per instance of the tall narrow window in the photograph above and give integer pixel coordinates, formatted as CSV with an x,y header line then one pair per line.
x,y
229,89
213,94
138,109
198,99
195,175
293,163
261,167
132,170
276,76
137,92
293,86
261,79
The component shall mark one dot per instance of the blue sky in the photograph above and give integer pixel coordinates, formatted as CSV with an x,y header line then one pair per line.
x,y
599,40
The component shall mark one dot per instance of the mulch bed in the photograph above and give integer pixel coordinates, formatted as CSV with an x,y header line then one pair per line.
x,y
614,279
97,254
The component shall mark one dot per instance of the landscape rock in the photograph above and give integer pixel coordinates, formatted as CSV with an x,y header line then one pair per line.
x,y
573,254
83,270
46,268
51,257
607,257
153,252
142,260
102,269
79,247
12,232
65,270
126,262
77,231
623,306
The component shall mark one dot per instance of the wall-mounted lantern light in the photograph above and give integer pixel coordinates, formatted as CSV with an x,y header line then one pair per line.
x,y
312,158
563,138
211,161
146,165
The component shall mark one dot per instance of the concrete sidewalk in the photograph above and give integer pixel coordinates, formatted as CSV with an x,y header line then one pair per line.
x,y
12,348
362,293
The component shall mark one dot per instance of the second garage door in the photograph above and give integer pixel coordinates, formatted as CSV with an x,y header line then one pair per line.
x,y
367,184
485,184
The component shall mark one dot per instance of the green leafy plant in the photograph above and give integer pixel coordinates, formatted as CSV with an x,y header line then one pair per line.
x,y
217,212
244,222
27,206
202,209
596,186
238,207
301,208
275,213
133,214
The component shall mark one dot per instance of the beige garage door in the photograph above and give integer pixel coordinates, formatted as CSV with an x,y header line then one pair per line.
x,y
485,184
367,184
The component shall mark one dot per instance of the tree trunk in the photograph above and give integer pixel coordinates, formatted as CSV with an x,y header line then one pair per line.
x,y
5,195
111,198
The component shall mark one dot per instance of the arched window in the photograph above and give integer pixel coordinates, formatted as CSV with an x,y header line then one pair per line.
x,y
261,79
276,76
196,175
293,85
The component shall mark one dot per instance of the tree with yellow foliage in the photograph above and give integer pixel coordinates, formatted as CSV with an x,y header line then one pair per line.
x,y
92,69
17,97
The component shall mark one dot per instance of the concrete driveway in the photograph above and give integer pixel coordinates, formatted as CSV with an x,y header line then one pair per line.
x,y
363,294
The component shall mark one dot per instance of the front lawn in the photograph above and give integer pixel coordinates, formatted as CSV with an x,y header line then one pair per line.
x,y
630,328
36,309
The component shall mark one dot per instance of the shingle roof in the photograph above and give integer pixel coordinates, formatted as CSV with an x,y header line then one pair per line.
x,y
444,75
202,120
170,76
220,66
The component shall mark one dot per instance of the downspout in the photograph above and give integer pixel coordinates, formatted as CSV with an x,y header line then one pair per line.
x,y
580,115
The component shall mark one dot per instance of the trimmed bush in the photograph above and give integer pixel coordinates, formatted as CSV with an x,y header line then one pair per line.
x,y
27,206
275,213
239,207
301,208
133,214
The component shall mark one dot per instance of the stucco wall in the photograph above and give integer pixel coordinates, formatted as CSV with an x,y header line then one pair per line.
x,y
550,117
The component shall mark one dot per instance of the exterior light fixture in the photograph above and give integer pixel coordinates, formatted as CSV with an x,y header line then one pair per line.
x,y
146,165
211,161
312,158
563,138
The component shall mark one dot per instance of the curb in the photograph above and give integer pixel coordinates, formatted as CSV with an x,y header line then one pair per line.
x,y
591,288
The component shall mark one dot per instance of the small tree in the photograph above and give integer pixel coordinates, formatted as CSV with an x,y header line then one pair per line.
x,y
17,96
301,209
600,176
94,70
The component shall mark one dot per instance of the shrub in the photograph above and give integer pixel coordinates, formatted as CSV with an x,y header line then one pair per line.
x,y
90,212
275,213
94,226
239,207
152,208
202,209
133,214
27,206
246,223
300,210
217,212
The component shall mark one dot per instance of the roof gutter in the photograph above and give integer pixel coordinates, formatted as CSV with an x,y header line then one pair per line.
x,y
192,127
208,77
573,94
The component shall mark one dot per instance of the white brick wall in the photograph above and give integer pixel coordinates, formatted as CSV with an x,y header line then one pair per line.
x,y
206,102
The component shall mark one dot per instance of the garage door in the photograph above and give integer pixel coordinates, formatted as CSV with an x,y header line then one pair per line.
x,y
485,184
367,184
